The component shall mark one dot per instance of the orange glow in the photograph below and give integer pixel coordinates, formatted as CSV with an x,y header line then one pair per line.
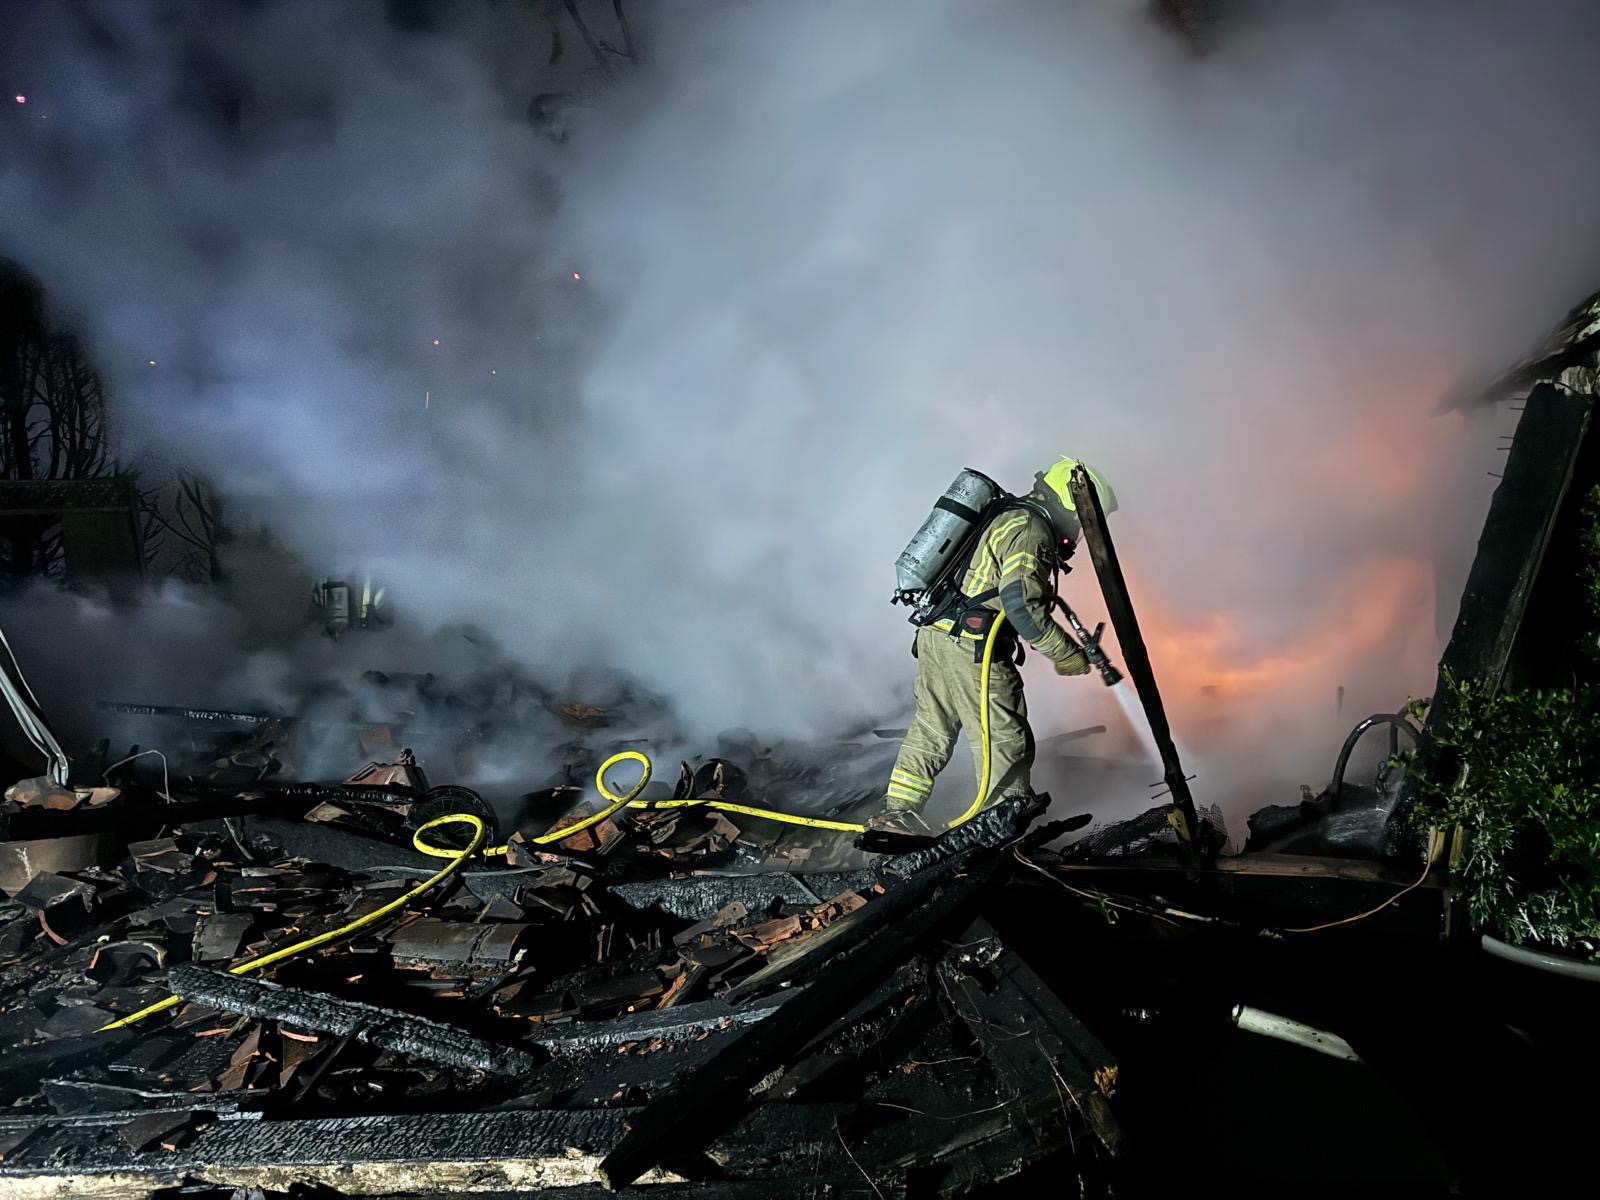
x,y
1209,671
1255,711
1367,620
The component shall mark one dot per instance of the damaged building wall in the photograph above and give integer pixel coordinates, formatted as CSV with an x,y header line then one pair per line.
x,y
1521,610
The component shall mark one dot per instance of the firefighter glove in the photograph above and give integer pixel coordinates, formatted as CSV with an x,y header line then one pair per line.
x,y
1075,662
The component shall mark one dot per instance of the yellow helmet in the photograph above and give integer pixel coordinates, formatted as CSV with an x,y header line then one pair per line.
x,y
1053,483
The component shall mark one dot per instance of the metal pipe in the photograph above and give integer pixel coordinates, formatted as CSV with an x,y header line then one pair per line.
x,y
1255,1020
1542,961
1396,721
25,707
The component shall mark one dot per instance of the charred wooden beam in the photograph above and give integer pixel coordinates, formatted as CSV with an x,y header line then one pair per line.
x,y
138,812
1538,472
91,1098
697,895
780,1151
879,1031
1119,605
885,934
26,1066
228,716
1044,1055
371,1155
994,826
686,1022
317,1012
428,939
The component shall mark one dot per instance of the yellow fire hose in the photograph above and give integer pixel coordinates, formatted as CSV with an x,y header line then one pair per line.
x,y
617,801
457,857
628,800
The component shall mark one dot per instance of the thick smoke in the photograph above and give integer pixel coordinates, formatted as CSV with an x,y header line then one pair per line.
x,y
702,367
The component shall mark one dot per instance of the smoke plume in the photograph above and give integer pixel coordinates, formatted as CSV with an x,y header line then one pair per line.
x,y
667,395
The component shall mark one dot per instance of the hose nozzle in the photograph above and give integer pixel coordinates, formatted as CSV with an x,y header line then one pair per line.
x,y
1090,644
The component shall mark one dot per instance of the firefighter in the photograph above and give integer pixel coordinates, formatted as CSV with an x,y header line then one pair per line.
x,y
1011,572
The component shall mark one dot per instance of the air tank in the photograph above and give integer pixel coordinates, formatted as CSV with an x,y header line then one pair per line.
x,y
955,515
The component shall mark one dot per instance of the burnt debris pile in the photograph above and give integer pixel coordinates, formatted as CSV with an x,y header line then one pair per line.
x,y
660,997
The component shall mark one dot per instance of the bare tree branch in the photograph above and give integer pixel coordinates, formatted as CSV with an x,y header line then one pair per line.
x,y
588,38
191,511
627,34
52,418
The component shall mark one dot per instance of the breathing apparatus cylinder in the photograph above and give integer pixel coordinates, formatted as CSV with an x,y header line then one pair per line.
x,y
922,572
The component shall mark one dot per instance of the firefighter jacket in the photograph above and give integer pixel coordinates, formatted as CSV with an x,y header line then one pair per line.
x,y
1012,571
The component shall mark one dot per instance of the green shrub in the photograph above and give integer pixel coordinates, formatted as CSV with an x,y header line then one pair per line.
x,y
1528,793
1528,796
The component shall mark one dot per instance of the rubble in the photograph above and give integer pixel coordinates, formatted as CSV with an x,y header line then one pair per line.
x,y
313,1012
584,1013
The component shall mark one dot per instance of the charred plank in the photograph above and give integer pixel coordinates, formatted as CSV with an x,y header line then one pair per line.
x,y
1523,515
1119,605
886,933
386,1028
1048,1060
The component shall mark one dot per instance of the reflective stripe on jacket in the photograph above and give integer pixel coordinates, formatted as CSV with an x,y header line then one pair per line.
x,y
1015,558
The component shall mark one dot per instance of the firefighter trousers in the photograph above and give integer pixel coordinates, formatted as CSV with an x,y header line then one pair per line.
x,y
948,691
